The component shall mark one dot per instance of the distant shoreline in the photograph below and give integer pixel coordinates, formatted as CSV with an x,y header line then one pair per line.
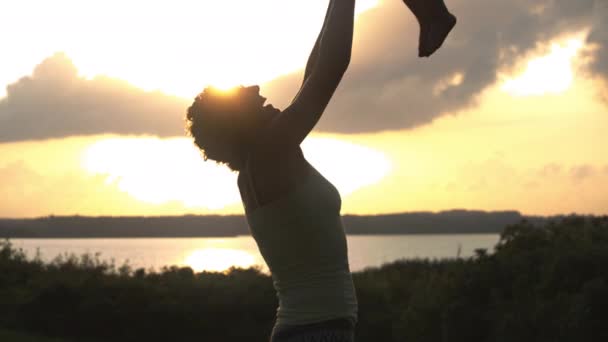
x,y
211,237
418,223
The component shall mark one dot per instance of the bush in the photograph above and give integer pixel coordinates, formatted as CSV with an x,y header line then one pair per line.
x,y
542,283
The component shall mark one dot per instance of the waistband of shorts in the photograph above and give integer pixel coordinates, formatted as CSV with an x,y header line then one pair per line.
x,y
286,331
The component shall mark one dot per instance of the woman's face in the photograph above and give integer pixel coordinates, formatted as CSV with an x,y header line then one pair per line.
x,y
254,92
268,112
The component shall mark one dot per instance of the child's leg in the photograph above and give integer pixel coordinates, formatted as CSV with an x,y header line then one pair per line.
x,y
435,21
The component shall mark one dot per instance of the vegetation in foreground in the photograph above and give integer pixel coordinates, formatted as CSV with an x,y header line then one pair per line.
x,y
542,283
11,336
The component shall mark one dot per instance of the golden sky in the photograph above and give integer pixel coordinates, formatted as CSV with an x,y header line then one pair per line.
x,y
96,129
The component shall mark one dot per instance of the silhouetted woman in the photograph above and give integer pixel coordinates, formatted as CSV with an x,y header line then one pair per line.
x,y
292,210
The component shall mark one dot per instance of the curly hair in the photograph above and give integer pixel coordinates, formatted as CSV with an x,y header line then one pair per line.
x,y
222,124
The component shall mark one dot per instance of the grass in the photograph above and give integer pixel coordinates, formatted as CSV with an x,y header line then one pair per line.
x,y
12,336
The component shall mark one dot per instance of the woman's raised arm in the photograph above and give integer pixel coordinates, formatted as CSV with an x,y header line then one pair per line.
x,y
314,54
324,75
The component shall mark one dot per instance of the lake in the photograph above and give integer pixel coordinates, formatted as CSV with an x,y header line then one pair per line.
x,y
219,254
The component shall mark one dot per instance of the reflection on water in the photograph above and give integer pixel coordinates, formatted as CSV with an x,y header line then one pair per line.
x,y
218,259
219,254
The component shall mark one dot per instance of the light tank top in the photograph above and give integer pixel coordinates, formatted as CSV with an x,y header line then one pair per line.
x,y
302,240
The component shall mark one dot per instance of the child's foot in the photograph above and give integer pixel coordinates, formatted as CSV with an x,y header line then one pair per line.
x,y
435,21
434,33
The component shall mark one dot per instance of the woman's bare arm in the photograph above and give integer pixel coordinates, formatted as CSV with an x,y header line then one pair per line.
x,y
314,54
290,128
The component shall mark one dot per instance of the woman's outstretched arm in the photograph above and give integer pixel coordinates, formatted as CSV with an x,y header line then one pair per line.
x,y
314,54
290,128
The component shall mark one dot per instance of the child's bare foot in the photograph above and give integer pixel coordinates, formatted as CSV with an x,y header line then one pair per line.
x,y
435,21
433,34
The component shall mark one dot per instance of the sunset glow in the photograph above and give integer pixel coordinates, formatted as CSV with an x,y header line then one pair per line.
x,y
197,38
159,171
99,129
218,259
461,143
552,73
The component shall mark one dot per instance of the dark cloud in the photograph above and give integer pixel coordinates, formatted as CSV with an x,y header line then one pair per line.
x,y
55,102
389,88
599,37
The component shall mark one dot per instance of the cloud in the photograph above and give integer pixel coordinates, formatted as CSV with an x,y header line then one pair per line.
x,y
165,170
582,172
55,102
545,189
599,37
550,170
389,88
27,192
386,88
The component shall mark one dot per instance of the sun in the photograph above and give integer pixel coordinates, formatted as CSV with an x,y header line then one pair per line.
x,y
226,87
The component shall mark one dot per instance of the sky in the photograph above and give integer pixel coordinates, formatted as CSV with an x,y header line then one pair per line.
x,y
510,114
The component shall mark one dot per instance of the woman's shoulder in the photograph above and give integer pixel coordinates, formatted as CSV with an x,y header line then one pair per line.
x,y
264,165
267,177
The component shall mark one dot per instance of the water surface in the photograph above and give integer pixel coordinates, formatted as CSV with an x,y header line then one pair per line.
x,y
218,254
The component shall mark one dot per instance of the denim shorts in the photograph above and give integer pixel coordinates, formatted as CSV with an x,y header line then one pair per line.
x,y
338,330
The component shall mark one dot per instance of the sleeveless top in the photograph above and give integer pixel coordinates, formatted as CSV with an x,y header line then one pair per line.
x,y
302,240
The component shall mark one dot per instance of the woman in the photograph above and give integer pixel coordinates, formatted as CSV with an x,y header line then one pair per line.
x,y
292,210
